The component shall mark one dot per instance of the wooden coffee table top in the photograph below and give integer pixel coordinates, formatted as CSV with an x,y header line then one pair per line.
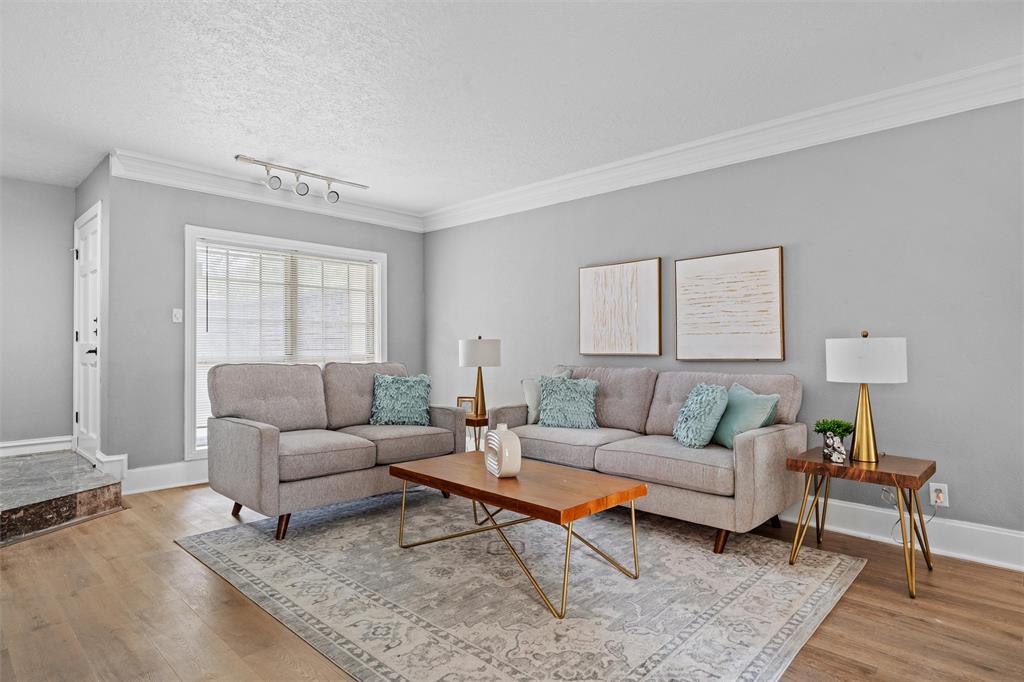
x,y
907,472
549,492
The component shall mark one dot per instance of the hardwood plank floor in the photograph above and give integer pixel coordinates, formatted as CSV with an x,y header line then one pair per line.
x,y
116,599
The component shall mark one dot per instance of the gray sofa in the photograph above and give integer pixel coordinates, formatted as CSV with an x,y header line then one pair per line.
x,y
636,408
284,438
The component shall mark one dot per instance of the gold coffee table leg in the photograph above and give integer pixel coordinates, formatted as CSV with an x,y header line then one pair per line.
x,y
802,520
909,557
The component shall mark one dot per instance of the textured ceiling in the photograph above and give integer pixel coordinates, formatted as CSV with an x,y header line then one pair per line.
x,y
437,103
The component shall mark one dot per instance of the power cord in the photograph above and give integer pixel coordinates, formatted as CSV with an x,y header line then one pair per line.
x,y
889,497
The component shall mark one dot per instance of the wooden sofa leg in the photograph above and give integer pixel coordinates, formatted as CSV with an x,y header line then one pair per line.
x,y
776,523
236,510
282,525
445,494
720,539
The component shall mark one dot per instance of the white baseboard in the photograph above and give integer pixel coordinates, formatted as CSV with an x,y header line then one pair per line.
x,y
978,542
174,475
33,446
115,465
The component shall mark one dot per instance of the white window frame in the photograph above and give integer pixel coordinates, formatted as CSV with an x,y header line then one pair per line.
x,y
196,233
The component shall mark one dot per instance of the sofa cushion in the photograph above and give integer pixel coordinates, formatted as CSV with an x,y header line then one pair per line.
x,y
349,389
623,394
402,443
673,387
661,459
289,397
311,453
571,447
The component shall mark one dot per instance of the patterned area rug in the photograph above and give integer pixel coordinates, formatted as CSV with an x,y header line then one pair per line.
x,y
462,610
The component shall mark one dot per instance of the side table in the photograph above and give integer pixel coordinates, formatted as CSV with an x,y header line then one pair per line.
x,y
906,474
477,423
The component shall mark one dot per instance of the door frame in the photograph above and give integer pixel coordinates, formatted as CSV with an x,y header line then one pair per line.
x,y
93,212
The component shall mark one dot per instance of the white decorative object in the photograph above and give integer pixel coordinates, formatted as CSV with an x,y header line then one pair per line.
x,y
502,454
729,307
620,308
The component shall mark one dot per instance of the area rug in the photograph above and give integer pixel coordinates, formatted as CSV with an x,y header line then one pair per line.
x,y
462,610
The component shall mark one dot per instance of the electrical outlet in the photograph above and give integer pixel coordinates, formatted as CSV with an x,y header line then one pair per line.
x,y
939,494
177,316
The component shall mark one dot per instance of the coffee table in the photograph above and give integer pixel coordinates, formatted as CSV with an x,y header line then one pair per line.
x,y
541,492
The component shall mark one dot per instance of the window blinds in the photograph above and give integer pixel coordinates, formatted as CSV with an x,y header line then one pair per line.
x,y
259,305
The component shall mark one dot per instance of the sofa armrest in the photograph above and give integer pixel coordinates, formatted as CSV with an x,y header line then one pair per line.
x,y
453,419
243,462
764,487
513,415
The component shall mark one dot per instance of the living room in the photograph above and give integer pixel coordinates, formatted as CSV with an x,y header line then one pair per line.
x,y
512,340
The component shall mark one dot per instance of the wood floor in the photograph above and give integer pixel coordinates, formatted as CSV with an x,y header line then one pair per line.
x,y
115,599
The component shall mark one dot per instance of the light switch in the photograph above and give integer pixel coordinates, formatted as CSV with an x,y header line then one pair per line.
x,y
177,316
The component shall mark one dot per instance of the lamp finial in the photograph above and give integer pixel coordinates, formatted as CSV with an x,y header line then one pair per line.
x,y
864,334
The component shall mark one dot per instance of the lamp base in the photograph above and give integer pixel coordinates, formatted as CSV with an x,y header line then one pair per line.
x,y
864,448
481,402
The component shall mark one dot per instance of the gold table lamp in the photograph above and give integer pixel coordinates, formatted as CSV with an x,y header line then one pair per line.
x,y
480,353
865,361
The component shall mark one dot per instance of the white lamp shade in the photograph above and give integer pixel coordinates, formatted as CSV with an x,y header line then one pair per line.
x,y
866,360
479,352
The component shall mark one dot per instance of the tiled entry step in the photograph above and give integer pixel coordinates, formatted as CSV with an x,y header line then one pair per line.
x,y
44,491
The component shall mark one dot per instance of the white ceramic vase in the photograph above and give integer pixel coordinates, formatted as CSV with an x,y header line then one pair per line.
x,y
502,454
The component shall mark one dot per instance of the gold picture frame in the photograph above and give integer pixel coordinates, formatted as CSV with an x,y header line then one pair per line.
x,y
606,291
735,290
462,399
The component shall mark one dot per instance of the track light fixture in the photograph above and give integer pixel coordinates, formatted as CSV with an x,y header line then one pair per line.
x,y
301,187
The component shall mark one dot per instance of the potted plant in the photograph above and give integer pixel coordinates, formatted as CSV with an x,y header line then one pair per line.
x,y
833,431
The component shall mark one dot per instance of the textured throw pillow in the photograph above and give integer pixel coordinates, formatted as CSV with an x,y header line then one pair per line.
x,y
531,391
746,411
401,400
698,418
567,402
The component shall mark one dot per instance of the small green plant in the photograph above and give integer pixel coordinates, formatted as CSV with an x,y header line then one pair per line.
x,y
839,427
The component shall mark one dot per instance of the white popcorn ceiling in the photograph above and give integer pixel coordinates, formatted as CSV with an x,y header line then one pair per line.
x,y
436,103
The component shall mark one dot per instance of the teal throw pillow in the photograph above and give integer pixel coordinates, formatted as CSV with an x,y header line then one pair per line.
x,y
746,411
531,391
567,403
401,400
698,418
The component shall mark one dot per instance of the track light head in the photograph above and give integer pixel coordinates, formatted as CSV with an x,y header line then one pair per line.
x,y
301,188
273,181
331,196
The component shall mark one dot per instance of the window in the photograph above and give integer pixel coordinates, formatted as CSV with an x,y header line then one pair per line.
x,y
261,299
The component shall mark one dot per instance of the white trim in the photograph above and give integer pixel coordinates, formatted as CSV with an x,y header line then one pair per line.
x,y
994,83
161,476
115,465
135,166
31,446
194,233
978,542
94,212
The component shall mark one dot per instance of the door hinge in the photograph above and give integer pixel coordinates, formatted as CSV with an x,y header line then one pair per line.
x,y
76,417
76,335
76,254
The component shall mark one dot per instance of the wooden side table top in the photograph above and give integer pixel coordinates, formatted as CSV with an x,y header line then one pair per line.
x,y
905,472
545,491
472,420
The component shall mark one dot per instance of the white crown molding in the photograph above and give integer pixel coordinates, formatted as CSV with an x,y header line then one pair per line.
x,y
135,166
957,92
1002,547
31,446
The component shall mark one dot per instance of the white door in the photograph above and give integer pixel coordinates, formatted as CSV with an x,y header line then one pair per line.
x,y
87,347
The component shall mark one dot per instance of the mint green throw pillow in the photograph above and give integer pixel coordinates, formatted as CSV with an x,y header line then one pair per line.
x,y
568,403
401,400
746,411
698,418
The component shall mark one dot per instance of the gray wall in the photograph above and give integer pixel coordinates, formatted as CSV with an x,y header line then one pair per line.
x,y
144,364
912,232
35,309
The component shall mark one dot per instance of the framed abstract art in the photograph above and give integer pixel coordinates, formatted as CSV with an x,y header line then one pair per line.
x,y
620,308
729,306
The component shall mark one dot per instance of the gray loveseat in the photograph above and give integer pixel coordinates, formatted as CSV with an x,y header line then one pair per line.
x,y
284,438
731,490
